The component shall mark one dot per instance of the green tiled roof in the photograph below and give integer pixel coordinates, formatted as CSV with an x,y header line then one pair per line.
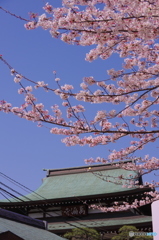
x,y
79,182
100,223
26,232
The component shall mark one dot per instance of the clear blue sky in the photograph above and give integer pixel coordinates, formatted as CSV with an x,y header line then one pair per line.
x,y
26,149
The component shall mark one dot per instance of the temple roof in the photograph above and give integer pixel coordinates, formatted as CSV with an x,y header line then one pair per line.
x,y
81,182
98,223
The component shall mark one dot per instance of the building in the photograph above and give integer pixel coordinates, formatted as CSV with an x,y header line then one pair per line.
x,y
65,197
14,226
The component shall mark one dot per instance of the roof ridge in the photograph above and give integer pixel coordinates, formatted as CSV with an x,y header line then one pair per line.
x,y
22,218
88,168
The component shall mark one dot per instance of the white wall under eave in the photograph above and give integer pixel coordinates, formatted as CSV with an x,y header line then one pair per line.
x,y
155,219
53,214
90,211
35,215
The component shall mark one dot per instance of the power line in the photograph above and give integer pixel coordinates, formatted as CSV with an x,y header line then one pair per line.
x,y
12,195
15,182
44,199
13,190
5,196
71,224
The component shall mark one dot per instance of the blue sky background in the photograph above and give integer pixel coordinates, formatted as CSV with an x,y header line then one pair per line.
x,y
26,149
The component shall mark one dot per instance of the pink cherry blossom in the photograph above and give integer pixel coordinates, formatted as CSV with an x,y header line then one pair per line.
x,y
126,29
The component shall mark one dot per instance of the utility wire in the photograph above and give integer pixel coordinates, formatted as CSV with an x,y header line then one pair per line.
x,y
12,195
5,196
13,190
44,199
15,182
71,224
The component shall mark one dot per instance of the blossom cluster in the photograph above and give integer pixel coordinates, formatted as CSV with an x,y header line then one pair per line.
x,y
124,206
128,29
